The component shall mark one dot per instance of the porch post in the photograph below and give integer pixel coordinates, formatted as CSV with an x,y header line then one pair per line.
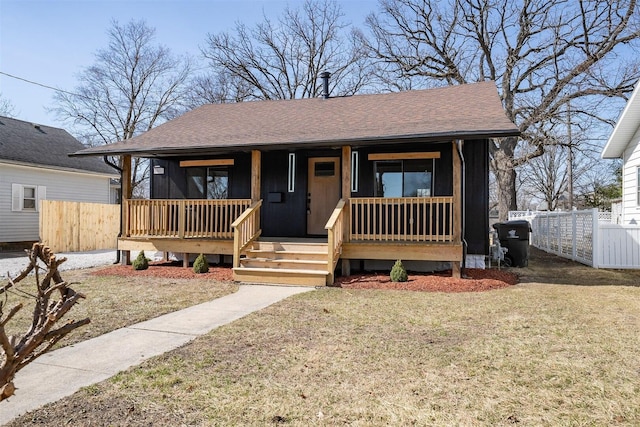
x,y
255,175
457,205
125,176
346,195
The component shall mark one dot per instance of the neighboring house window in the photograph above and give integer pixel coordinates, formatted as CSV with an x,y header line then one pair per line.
x,y
27,197
403,178
207,183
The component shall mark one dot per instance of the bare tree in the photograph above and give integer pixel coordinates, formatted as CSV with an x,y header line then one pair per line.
x,y
284,60
18,351
547,176
7,108
133,86
543,54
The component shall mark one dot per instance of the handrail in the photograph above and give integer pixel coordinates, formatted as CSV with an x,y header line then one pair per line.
x,y
182,218
246,228
402,219
334,229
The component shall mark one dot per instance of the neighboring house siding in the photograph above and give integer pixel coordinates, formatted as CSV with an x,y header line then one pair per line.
x,y
60,185
630,202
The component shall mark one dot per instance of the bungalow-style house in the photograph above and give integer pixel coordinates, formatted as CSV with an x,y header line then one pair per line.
x,y
35,165
290,189
624,143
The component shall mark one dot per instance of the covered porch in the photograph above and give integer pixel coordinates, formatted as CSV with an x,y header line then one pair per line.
x,y
358,228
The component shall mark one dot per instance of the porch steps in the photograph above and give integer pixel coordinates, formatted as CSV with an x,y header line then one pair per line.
x,y
289,263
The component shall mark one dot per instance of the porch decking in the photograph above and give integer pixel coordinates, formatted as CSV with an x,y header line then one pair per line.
x,y
410,228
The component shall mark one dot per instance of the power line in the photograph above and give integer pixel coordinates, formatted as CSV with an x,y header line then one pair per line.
x,y
44,86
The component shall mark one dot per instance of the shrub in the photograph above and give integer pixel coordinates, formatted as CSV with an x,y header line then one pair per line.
x,y
398,272
141,262
200,265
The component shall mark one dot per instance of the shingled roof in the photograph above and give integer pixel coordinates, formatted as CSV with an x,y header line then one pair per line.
x,y
25,143
468,112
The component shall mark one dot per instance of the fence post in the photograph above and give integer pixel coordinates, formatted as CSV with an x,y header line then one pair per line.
x,y
574,242
595,254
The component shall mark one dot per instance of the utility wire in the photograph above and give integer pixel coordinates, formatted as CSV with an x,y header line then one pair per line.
x,y
59,90
43,85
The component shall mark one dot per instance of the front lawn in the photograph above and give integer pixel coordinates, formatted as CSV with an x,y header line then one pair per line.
x,y
531,354
114,302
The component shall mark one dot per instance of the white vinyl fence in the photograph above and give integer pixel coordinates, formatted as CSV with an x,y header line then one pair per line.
x,y
587,236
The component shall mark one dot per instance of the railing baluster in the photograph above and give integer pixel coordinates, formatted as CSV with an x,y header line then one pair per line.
x,y
417,219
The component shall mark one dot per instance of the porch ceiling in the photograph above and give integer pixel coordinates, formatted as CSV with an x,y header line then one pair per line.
x,y
466,112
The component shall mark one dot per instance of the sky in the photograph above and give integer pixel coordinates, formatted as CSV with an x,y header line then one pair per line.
x,y
51,41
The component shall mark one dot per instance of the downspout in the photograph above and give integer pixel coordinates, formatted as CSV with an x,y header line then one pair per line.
x,y
119,169
464,210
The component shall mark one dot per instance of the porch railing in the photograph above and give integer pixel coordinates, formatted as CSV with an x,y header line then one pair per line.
x,y
406,219
335,226
193,218
245,230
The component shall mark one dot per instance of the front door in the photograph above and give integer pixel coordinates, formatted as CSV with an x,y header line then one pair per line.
x,y
323,192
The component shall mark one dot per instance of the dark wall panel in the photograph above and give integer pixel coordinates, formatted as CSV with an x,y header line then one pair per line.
x,y
283,213
173,183
476,156
476,183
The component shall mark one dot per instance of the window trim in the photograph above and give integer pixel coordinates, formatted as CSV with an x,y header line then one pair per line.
x,y
17,197
403,168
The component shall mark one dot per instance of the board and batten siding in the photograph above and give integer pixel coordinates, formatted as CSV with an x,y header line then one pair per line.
x,y
631,158
60,185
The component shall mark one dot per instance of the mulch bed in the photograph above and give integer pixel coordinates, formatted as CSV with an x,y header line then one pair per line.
x,y
477,280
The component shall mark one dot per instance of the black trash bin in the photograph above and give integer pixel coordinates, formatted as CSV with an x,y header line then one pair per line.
x,y
514,235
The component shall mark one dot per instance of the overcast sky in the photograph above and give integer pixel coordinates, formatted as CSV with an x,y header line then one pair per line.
x,y
51,41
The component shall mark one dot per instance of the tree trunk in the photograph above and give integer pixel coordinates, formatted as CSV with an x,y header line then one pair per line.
x,y
502,164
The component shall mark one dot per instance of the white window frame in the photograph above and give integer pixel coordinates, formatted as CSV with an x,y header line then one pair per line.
x,y
291,173
18,197
355,170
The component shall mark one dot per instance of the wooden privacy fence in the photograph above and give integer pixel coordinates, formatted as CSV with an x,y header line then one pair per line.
x,y
77,226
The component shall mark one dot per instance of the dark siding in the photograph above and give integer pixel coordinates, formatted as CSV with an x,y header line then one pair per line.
x,y
476,156
286,218
173,184
442,174
476,183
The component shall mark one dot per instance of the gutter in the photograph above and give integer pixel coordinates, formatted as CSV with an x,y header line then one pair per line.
x,y
119,169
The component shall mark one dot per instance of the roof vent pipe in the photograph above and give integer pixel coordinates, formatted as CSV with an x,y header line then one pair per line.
x,y
325,84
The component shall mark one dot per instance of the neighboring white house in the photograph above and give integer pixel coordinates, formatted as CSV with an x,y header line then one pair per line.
x,y
34,165
624,143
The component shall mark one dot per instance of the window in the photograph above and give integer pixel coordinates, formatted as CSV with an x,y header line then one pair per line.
x,y
403,178
207,183
26,197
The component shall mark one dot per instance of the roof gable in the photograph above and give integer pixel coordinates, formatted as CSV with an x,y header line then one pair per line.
x,y
626,127
25,142
465,111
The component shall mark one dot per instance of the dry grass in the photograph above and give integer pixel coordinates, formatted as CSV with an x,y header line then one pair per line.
x,y
533,354
114,302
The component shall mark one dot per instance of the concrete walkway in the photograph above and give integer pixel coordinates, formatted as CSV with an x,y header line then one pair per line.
x,y
64,371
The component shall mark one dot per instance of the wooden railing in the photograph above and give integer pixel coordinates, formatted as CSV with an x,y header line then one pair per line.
x,y
193,218
406,219
335,227
245,230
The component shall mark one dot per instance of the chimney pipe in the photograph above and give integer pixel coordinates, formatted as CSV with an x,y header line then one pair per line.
x,y
325,84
